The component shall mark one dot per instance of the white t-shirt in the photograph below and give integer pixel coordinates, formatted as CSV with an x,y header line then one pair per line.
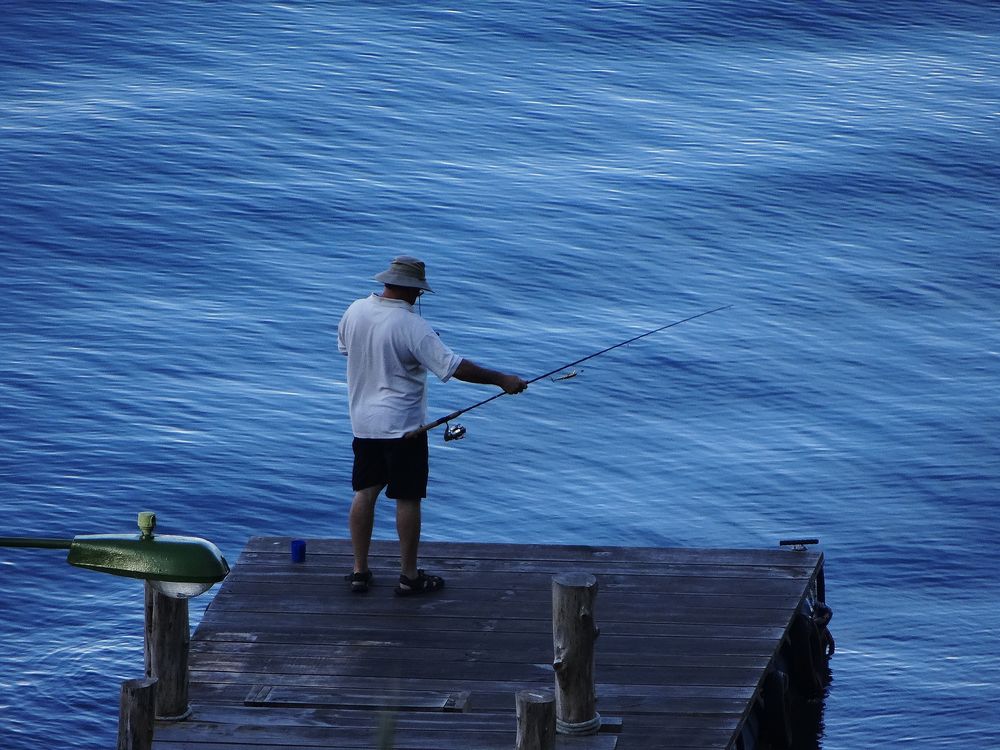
x,y
389,350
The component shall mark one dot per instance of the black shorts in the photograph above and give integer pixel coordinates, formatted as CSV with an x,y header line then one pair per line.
x,y
399,463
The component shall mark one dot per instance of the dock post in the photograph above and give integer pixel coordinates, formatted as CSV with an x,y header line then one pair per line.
x,y
167,640
536,720
573,636
136,710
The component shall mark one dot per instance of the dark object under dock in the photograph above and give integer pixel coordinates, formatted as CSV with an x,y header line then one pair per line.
x,y
286,657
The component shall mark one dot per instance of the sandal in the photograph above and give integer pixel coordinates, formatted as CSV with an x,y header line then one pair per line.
x,y
422,584
360,581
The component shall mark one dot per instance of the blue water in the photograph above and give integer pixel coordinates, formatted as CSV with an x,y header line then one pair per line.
x,y
192,193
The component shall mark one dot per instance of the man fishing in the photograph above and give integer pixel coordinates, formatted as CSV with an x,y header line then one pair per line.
x,y
389,349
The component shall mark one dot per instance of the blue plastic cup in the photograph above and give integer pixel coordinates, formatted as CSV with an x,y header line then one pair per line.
x,y
298,550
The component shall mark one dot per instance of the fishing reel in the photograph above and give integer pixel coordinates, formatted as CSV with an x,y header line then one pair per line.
x,y
453,433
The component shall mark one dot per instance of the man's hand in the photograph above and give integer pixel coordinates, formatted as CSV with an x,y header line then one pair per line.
x,y
513,384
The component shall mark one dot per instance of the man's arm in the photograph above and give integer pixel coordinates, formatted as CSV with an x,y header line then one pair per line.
x,y
470,372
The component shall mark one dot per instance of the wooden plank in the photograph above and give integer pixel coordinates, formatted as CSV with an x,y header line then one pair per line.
x,y
455,602
713,596
597,742
311,580
331,717
272,696
472,672
460,600
336,564
664,652
502,646
462,616
600,742
388,569
359,730
308,580
572,553
661,700
319,629
465,620
204,735
539,557
667,691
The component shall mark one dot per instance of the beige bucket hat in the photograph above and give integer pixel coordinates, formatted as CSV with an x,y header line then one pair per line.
x,y
405,270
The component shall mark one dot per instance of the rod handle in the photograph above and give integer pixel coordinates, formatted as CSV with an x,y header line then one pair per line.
x,y
431,425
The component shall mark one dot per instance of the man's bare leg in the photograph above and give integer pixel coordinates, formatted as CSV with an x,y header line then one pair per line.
x,y
408,528
362,521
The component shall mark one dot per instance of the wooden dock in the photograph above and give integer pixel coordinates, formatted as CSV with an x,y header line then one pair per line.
x,y
286,657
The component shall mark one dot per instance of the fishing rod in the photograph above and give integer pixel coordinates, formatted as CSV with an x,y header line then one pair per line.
x,y
458,432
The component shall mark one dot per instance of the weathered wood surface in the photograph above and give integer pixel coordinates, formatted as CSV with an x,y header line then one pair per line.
x,y
136,711
686,636
167,645
536,720
277,696
574,634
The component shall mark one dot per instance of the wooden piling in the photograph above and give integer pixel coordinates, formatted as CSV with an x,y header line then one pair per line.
x,y
536,720
136,711
167,641
573,636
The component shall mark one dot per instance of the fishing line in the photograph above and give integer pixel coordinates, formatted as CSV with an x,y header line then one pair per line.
x,y
458,432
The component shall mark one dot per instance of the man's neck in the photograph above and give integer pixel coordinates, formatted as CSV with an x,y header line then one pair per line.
x,y
405,293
